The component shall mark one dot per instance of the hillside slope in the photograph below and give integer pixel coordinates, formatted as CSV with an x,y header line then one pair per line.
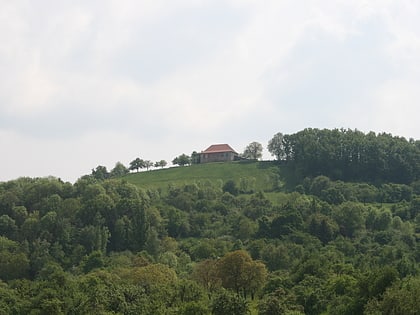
x,y
259,174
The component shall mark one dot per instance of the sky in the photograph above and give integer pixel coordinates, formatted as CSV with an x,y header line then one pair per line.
x,y
93,82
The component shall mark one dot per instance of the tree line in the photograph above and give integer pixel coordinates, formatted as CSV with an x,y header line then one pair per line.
x,y
107,246
349,155
340,154
253,152
119,170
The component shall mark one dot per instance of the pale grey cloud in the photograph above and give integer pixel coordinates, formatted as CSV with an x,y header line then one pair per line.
x,y
94,82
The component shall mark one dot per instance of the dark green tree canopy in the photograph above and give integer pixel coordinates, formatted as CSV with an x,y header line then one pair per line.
x,y
100,173
350,155
182,160
276,146
253,151
137,164
195,157
119,170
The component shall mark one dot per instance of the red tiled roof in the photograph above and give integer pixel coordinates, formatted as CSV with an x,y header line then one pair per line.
x,y
217,148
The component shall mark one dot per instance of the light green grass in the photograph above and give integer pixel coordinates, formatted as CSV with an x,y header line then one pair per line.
x,y
216,173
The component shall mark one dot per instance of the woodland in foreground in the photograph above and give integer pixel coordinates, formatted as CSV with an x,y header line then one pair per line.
x,y
326,238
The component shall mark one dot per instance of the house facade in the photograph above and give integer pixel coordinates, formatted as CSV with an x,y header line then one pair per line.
x,y
218,153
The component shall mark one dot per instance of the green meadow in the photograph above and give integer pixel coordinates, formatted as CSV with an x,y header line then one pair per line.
x,y
263,175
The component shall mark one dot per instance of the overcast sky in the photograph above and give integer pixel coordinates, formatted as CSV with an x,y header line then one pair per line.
x,y
86,83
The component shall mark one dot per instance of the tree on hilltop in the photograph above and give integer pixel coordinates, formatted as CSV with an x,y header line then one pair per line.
x,y
161,163
182,160
253,151
119,170
148,164
136,164
276,146
100,172
195,157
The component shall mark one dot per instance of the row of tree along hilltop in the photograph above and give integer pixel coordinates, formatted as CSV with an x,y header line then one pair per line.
x,y
341,154
253,151
101,172
349,155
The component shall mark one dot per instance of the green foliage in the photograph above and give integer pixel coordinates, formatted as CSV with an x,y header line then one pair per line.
x,y
10,302
119,170
8,227
100,173
14,263
182,160
230,187
279,302
161,163
194,308
137,164
229,303
239,272
148,164
186,244
93,261
276,146
253,151
195,157
400,298
350,218
323,227
352,155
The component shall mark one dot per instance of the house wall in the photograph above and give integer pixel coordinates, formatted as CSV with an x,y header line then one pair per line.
x,y
217,157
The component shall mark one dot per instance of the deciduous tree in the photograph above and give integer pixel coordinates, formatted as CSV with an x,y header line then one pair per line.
x,y
239,272
136,164
205,273
119,170
100,172
400,298
182,160
148,164
161,163
195,158
253,151
276,146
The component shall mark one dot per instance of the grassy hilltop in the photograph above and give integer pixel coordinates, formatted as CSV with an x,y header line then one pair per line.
x,y
262,175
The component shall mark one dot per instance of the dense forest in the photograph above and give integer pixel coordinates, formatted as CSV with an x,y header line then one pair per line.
x,y
336,233
349,155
